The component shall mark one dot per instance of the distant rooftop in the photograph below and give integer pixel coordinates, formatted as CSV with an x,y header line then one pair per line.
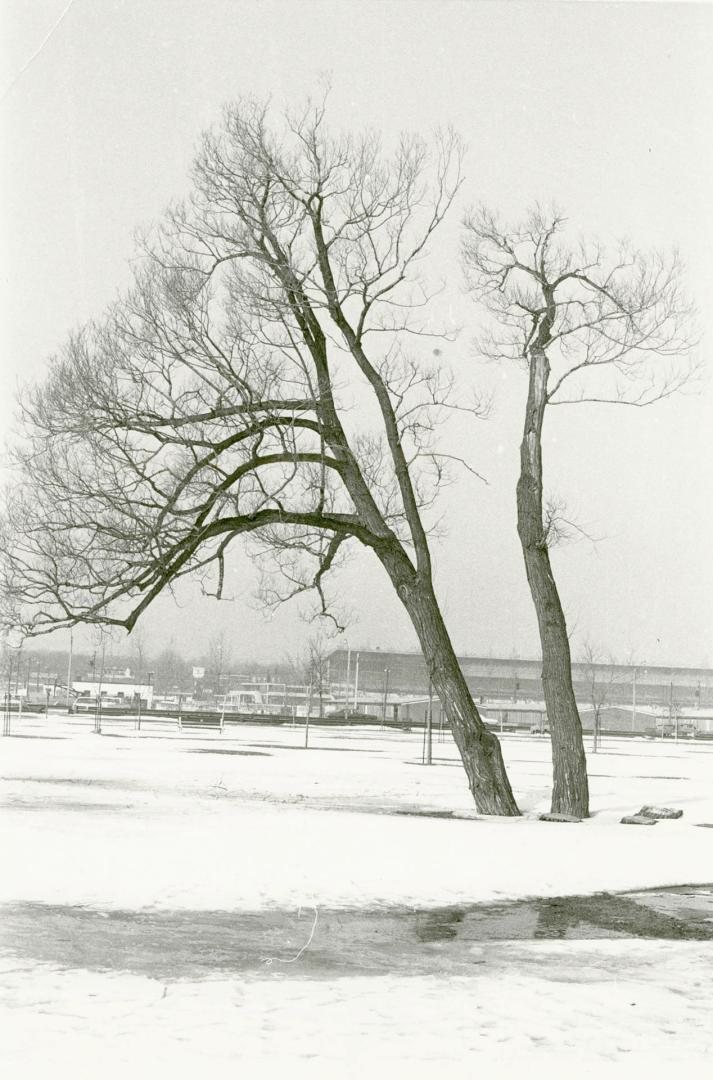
x,y
527,662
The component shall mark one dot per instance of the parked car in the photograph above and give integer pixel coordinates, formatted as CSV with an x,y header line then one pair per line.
x,y
352,714
667,730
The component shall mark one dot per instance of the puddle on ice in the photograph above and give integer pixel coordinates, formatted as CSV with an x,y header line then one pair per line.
x,y
171,945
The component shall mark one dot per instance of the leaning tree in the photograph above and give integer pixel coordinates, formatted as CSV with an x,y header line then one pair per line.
x,y
253,383
586,325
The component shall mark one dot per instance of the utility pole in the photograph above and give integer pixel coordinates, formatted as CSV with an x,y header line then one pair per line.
x,y
17,669
346,687
633,703
386,695
429,725
673,712
309,710
356,684
69,667
98,710
8,698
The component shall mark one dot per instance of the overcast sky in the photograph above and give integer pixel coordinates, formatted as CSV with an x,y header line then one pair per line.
x,y
605,108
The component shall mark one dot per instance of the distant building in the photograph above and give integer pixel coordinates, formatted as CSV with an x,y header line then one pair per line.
x,y
274,698
118,689
645,687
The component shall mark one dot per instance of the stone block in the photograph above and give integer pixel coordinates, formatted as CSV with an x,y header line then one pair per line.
x,y
660,812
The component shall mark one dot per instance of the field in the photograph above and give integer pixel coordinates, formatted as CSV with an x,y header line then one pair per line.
x,y
176,900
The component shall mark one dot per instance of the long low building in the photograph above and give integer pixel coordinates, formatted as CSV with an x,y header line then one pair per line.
x,y
117,688
513,679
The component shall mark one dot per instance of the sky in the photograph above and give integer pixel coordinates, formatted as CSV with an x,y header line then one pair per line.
x,y
605,109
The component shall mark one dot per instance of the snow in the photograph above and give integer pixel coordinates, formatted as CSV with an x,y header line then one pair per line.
x,y
249,820
601,1009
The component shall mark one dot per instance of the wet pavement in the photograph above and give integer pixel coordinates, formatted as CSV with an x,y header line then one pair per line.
x,y
174,945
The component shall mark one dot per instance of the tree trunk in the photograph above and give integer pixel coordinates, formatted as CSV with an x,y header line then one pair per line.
x,y
570,791
479,747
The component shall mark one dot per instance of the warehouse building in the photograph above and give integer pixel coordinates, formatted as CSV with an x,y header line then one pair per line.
x,y
627,695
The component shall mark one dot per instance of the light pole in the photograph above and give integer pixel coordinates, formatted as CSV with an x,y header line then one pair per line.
x,y
633,702
356,684
69,667
98,710
309,710
6,711
17,670
386,697
429,725
346,688
673,712
595,728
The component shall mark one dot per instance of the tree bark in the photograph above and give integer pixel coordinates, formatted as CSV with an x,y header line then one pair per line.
x,y
479,748
570,791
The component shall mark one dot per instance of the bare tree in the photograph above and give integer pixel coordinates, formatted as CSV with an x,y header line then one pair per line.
x,y
600,679
139,653
316,670
219,659
172,671
215,400
586,327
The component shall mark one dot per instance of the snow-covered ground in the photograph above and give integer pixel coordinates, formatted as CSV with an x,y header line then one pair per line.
x,y
249,820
